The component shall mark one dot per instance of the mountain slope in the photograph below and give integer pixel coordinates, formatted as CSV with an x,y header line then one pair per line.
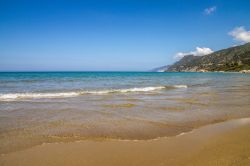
x,y
230,59
160,69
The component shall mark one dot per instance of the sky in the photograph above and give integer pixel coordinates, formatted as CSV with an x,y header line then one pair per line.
x,y
118,35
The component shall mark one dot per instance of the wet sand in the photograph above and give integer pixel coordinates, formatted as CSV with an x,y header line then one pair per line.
x,y
225,143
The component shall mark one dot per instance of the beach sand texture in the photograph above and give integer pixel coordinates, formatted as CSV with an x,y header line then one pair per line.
x,y
225,143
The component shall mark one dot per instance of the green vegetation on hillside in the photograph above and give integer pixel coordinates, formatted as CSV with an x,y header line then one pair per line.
x,y
230,59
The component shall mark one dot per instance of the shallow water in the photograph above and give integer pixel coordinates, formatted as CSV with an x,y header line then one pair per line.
x,y
66,106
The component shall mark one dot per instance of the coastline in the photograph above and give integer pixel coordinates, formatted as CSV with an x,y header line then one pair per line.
x,y
241,72
222,143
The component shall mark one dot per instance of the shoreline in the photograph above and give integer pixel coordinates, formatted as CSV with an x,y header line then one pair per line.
x,y
182,149
79,139
241,72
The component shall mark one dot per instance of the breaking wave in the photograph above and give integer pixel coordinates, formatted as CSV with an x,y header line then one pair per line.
x,y
16,96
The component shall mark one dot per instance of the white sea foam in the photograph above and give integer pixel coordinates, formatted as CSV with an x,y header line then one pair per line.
x,y
13,96
16,96
180,86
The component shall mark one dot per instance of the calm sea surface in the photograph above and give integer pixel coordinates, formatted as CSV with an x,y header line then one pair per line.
x,y
43,107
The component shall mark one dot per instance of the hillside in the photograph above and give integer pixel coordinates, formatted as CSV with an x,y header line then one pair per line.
x,y
160,69
230,59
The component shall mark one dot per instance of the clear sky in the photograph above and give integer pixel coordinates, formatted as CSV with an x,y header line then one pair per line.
x,y
41,35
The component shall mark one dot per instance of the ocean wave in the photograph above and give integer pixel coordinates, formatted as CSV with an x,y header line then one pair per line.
x,y
180,86
12,96
16,96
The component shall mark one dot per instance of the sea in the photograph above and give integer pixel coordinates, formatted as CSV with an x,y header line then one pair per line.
x,y
47,107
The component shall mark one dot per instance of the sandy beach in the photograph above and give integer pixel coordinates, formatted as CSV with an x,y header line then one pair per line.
x,y
224,143
124,83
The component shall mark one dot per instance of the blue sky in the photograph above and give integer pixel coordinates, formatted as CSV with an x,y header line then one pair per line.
x,y
41,35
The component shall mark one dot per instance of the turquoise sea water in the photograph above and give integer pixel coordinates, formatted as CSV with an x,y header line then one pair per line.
x,y
40,107
35,82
